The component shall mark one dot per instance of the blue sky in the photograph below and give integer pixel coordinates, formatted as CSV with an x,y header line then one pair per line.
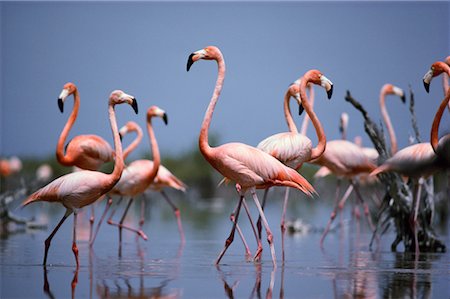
x,y
142,48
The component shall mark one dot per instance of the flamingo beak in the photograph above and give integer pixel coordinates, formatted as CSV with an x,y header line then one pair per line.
x,y
164,117
300,109
330,92
190,62
134,104
403,98
427,80
61,105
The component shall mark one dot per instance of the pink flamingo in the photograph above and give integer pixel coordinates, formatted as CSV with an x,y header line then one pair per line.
x,y
78,189
136,177
445,77
88,152
292,148
386,90
440,146
163,179
248,166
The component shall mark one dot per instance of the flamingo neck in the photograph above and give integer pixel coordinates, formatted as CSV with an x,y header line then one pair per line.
x,y
155,151
306,119
387,121
287,113
437,120
133,145
118,162
204,146
321,145
64,159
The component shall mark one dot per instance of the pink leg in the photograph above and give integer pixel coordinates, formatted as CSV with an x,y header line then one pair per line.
x,y
91,221
74,243
50,237
282,224
230,238
248,253
258,240
266,226
142,220
343,201
416,212
107,206
333,213
263,204
121,226
177,215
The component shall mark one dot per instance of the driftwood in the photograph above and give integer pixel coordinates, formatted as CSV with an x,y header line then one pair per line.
x,y
397,207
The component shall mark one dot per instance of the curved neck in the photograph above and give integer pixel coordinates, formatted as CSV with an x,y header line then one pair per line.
x,y
155,152
63,159
437,120
287,113
320,148
118,162
306,119
205,149
133,145
388,124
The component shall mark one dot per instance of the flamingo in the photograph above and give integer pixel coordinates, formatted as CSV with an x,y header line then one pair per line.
x,y
88,152
440,146
248,166
388,89
163,179
445,79
78,189
136,177
292,148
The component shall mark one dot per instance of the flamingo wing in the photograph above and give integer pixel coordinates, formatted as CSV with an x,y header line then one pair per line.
x,y
292,149
165,178
89,151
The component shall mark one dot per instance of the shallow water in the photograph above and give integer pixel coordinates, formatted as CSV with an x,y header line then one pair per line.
x,y
162,268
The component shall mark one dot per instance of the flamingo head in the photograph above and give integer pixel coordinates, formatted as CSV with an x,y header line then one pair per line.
x,y
316,77
392,89
68,89
436,69
294,91
208,53
120,97
156,111
128,127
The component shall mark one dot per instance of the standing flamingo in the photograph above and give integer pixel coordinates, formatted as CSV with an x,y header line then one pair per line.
x,y
386,90
248,166
78,189
136,177
440,146
292,148
87,152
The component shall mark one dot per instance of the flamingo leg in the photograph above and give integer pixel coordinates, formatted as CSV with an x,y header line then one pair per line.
x,y
258,240
91,221
343,201
74,242
176,211
263,204
366,207
230,238
248,253
142,219
282,224
50,237
333,213
107,206
266,226
121,226
416,212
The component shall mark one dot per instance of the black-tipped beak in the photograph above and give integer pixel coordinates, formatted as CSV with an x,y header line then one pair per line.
x,y
190,62
61,105
121,137
165,119
135,105
300,109
330,92
403,98
427,86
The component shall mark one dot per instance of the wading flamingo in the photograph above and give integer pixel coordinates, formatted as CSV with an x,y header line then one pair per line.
x,y
78,189
440,146
291,148
163,179
88,152
136,177
388,89
248,166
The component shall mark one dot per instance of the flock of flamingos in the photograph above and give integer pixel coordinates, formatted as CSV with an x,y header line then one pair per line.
x,y
274,162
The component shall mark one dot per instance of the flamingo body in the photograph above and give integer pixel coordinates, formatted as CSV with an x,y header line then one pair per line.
x,y
88,152
135,178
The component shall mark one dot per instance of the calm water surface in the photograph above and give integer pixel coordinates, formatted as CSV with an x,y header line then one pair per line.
x,y
162,268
